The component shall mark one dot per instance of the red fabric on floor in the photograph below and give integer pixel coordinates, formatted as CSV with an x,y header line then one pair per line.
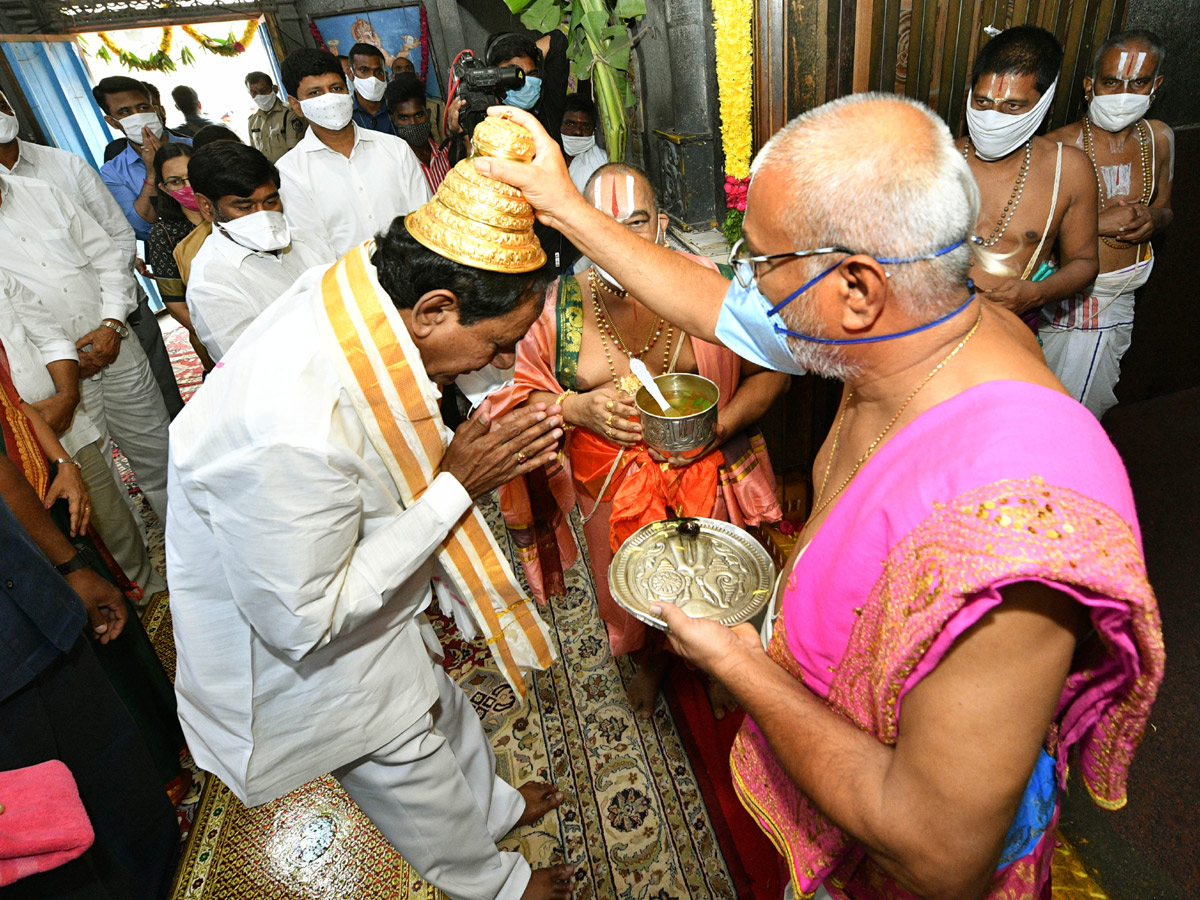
x,y
754,863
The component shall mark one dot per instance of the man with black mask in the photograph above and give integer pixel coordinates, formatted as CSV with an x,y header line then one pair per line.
x,y
405,102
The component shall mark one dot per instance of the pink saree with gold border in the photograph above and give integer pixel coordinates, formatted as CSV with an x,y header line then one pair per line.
x,y
1005,482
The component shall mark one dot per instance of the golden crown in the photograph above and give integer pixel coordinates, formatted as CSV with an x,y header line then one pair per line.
x,y
479,221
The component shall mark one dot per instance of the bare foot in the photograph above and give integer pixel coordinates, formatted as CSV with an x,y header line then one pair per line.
x,y
644,687
540,798
721,699
553,883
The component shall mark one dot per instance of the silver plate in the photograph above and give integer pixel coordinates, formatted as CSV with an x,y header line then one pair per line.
x,y
722,573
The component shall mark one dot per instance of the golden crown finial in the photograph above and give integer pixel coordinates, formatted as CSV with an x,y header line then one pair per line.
x,y
477,220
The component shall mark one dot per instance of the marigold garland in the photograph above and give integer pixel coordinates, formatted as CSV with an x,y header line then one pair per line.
x,y
223,47
735,79
161,60
735,76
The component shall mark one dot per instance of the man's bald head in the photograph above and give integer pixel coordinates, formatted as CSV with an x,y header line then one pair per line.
x,y
879,174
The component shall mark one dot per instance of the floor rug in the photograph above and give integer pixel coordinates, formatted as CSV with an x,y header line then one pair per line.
x,y
635,822
189,374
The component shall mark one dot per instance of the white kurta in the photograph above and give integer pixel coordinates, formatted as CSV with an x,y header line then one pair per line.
x,y
296,577
80,275
583,165
32,340
298,583
343,201
71,174
230,285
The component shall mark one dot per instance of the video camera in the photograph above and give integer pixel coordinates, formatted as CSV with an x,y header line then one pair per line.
x,y
482,86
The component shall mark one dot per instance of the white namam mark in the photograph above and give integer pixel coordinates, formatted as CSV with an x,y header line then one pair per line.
x,y
1117,179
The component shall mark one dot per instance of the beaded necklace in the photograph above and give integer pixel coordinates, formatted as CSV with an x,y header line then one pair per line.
x,y
604,319
626,384
1090,149
1014,199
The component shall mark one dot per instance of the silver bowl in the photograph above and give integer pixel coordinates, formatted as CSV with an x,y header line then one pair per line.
x,y
684,437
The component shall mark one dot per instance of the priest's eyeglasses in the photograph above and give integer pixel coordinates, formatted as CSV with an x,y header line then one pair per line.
x,y
745,266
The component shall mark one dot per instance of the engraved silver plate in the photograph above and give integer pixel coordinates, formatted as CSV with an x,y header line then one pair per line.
x,y
717,572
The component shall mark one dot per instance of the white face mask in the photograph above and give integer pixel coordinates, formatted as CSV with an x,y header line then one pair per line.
x,y
330,111
9,126
370,88
995,134
263,231
264,101
1116,112
575,145
133,125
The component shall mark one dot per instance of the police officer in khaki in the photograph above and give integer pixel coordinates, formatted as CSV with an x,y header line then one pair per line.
x,y
274,129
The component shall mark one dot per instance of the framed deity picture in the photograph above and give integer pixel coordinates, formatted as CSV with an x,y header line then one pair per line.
x,y
396,32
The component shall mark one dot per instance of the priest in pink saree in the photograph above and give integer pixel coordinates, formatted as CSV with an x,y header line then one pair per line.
x,y
967,611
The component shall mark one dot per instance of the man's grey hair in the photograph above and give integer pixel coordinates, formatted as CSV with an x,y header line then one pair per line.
x,y
1135,36
886,183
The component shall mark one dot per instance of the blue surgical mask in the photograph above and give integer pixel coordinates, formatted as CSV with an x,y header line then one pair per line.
x,y
745,326
526,96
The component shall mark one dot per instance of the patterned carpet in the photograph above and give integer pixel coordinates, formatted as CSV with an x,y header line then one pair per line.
x,y
634,822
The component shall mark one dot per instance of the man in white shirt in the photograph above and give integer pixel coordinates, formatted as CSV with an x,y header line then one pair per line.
x,y
70,173
61,255
300,572
45,371
342,183
252,256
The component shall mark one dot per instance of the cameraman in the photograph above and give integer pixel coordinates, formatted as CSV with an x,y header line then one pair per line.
x,y
546,67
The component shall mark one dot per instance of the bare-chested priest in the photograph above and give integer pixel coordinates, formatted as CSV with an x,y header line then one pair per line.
x,y
1084,337
1038,198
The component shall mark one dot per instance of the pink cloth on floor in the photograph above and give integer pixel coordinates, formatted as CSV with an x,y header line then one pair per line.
x,y
44,824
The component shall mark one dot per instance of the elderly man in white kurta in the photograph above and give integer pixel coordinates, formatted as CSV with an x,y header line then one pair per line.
x,y
75,177
45,366
82,277
315,496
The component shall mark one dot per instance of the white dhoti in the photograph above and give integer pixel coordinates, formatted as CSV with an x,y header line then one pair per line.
x,y
433,792
1085,336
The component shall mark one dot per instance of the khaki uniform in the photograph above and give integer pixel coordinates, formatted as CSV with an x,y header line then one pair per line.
x,y
275,131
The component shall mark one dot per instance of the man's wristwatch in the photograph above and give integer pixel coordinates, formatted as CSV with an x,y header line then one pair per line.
x,y
119,327
73,564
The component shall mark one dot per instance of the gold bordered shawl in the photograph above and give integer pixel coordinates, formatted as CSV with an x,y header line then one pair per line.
x,y
375,364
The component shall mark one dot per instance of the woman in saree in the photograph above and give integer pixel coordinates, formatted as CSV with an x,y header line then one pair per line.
x,y
577,354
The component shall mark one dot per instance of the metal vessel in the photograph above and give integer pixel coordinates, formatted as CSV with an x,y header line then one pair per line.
x,y
708,568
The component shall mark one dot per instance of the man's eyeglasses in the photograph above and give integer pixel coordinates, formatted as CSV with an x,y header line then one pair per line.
x,y
744,265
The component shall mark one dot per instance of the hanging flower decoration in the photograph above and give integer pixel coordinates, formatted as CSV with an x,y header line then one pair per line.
x,y
735,80
229,46
159,61
424,42
316,34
